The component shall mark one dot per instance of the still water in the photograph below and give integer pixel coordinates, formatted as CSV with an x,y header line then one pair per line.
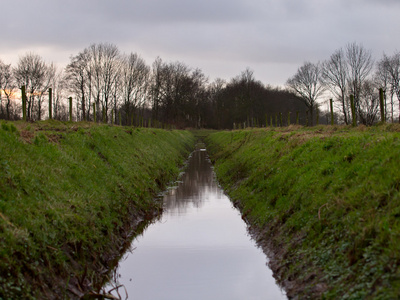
x,y
199,249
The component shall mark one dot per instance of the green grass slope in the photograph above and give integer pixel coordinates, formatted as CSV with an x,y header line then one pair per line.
x,y
325,201
69,193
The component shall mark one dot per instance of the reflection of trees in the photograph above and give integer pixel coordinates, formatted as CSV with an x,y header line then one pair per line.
x,y
197,182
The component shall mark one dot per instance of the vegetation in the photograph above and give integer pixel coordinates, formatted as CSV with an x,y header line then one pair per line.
x,y
116,88
325,201
69,196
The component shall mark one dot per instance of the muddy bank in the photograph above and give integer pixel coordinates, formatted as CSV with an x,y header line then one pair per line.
x,y
96,271
307,285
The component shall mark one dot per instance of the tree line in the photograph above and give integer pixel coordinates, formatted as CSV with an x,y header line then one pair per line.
x,y
109,86
351,72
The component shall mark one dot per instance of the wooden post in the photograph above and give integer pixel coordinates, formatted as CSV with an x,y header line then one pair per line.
x,y
50,104
331,103
70,109
353,111
94,112
382,106
23,103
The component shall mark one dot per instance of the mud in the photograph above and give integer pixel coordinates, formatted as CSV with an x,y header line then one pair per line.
x,y
270,239
86,281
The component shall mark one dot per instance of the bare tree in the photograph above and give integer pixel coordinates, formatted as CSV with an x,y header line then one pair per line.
x,y
368,103
35,74
110,71
156,84
382,79
335,73
306,83
60,88
134,81
216,89
104,65
391,65
7,86
48,79
177,92
78,77
198,98
94,74
360,65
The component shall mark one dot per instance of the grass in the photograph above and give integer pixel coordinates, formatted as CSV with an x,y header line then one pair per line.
x,y
327,201
68,191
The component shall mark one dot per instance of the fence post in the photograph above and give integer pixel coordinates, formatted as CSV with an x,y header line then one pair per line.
x,y
50,103
94,112
23,103
382,105
70,109
353,111
331,103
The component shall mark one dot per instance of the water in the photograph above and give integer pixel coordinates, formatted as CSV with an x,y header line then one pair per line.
x,y
200,248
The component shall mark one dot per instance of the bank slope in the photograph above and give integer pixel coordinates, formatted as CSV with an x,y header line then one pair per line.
x,y
323,202
69,195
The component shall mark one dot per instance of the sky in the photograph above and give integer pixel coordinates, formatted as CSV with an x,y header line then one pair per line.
x,y
273,38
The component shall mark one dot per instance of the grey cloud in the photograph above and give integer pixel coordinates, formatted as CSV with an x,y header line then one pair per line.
x,y
158,11
218,35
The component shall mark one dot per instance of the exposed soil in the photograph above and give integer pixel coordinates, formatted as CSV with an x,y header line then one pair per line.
x,y
27,136
97,272
307,286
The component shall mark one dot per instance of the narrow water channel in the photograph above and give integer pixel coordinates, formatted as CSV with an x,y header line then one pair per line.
x,y
199,249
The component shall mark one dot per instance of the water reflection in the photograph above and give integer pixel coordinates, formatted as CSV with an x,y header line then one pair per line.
x,y
199,250
197,184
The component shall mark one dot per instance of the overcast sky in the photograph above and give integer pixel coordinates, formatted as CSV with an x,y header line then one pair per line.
x,y
221,37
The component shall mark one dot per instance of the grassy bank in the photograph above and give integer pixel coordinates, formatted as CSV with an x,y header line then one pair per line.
x,y
69,194
325,202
